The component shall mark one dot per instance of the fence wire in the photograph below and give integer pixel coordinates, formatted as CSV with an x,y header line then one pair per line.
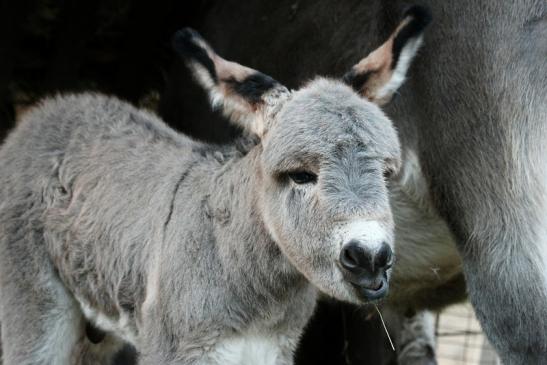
x,y
460,340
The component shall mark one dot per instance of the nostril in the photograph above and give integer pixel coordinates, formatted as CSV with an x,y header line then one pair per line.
x,y
348,258
383,257
353,256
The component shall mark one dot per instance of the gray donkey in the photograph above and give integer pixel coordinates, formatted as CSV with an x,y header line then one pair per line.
x,y
194,253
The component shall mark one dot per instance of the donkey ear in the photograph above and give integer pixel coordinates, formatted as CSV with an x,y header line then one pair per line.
x,y
378,76
244,95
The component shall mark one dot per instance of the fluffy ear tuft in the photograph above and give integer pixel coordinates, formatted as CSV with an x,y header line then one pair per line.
x,y
245,96
379,75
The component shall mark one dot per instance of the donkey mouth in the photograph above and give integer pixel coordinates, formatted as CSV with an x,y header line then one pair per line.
x,y
372,291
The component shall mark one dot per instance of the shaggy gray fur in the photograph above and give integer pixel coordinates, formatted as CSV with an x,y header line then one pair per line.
x,y
187,250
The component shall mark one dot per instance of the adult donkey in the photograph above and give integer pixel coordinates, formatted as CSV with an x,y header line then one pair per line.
x,y
193,253
473,125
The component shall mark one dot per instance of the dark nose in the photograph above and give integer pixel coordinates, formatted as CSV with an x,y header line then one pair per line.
x,y
366,268
357,259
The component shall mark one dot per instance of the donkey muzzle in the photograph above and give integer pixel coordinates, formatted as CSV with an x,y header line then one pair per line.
x,y
366,269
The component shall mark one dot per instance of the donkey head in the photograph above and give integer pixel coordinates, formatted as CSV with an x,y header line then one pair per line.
x,y
326,153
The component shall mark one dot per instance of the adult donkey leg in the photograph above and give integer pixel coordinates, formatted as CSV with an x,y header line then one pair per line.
x,y
488,176
506,276
481,126
496,205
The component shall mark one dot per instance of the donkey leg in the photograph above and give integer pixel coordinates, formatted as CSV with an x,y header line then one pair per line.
x,y
503,240
40,321
413,335
508,289
39,325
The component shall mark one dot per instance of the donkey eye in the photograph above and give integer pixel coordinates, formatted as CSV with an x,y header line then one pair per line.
x,y
302,177
389,173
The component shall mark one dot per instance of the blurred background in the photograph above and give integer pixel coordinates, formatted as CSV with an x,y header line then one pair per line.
x,y
460,339
118,47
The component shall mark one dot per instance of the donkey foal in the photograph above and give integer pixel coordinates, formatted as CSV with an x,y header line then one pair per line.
x,y
194,253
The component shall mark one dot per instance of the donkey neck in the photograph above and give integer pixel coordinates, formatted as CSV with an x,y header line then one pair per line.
x,y
234,205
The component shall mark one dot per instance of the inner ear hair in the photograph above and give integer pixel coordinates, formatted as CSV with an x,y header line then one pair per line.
x,y
419,18
244,95
213,72
378,76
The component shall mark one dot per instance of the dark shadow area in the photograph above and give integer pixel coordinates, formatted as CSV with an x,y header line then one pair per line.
x,y
115,47
342,334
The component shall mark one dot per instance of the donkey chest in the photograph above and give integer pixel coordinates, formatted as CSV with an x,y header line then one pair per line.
x,y
251,349
271,338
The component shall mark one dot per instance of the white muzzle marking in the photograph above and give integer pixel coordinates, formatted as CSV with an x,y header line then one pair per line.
x,y
369,233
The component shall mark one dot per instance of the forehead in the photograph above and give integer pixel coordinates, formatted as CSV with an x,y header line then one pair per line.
x,y
327,116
